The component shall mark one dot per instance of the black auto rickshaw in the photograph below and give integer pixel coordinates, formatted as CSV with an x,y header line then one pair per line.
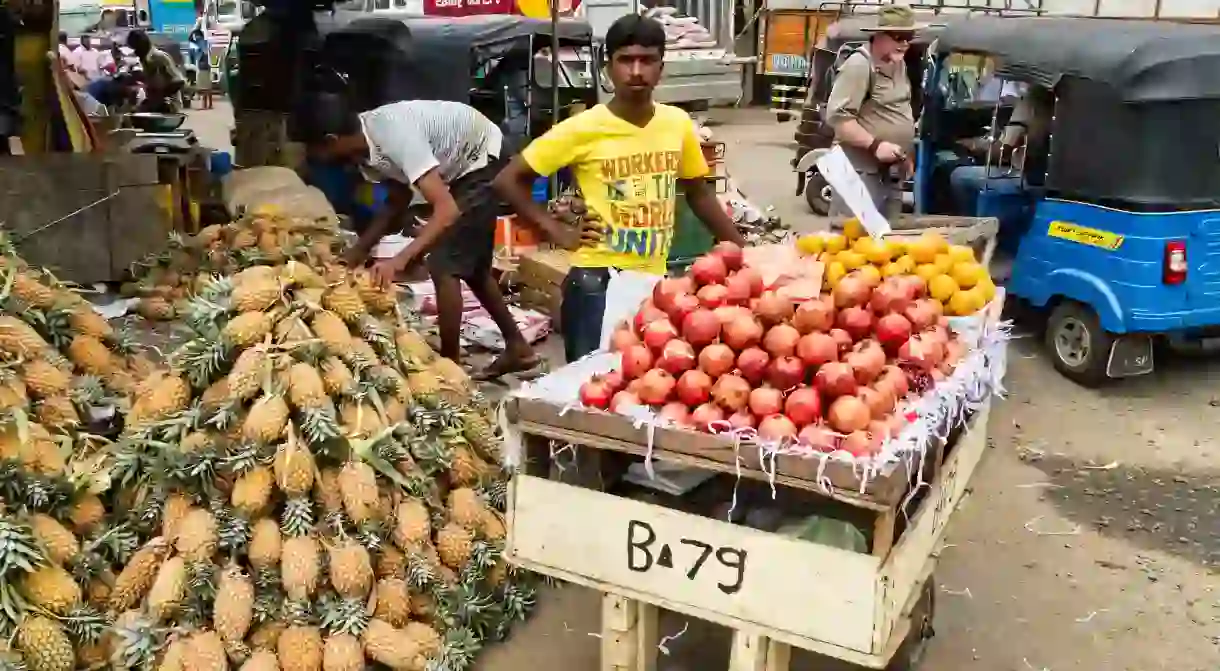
x,y
841,40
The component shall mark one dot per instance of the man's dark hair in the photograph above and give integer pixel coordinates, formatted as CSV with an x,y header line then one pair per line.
x,y
63,37
325,113
138,38
635,30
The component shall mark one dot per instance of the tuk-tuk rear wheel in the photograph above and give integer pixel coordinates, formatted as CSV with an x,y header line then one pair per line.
x,y
1078,345
818,193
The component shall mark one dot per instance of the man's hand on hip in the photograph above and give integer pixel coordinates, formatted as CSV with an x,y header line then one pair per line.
x,y
888,152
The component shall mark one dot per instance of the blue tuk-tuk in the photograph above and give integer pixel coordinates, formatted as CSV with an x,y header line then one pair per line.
x,y
1112,216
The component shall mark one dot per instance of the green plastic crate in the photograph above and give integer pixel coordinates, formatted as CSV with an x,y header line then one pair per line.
x,y
691,238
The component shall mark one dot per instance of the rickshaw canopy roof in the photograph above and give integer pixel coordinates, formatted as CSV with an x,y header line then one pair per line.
x,y
493,35
1144,61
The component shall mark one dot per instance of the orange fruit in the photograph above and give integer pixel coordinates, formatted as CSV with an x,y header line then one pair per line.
x,y
851,260
810,245
835,272
987,287
966,302
941,244
943,263
960,253
922,250
869,274
942,288
967,274
926,270
897,247
892,269
835,244
853,229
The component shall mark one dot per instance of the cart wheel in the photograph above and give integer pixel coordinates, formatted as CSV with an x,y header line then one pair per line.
x,y
910,654
1079,346
818,194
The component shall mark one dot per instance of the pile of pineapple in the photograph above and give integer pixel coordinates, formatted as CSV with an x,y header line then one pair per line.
x,y
164,282
304,486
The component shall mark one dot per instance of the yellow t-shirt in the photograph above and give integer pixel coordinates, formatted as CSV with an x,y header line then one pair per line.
x,y
628,176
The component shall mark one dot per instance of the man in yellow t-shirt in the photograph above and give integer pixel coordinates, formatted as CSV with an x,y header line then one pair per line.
x,y
629,158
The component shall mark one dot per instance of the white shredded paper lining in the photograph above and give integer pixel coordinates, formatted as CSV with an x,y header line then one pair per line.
x,y
933,416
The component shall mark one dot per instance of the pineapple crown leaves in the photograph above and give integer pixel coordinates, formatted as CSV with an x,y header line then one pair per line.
x,y
33,492
366,451
343,616
19,551
458,650
114,545
86,625
12,661
137,642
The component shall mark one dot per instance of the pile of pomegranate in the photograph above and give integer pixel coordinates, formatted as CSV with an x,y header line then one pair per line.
x,y
716,350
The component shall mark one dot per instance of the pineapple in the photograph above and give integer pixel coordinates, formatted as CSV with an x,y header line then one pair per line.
x,y
155,308
468,467
393,601
86,513
266,421
351,569
297,274
197,536
13,394
266,636
32,292
234,606
20,340
256,295
57,412
307,393
60,544
376,298
481,435
85,321
358,486
141,365
168,396
385,644
337,377
246,376
294,468
255,275
252,491
51,588
454,543
342,652
327,493
391,562
453,374
247,328
168,589
205,652
44,644
299,567
345,302
300,648
333,333
425,637
412,523
265,544
262,660
467,508
360,420
176,508
43,379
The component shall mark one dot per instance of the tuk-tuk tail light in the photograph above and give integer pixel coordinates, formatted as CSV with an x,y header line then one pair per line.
x,y
1175,262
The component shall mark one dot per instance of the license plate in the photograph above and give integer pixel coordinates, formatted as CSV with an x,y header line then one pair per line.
x,y
1130,356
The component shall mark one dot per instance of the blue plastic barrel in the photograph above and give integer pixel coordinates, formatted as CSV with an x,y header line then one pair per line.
x,y
220,163
541,187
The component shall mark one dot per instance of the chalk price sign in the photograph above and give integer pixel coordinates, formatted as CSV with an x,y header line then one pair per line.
x,y
646,552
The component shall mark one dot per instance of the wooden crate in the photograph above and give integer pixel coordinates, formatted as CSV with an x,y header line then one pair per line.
x,y
776,592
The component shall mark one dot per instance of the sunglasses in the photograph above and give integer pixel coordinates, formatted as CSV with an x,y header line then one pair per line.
x,y
900,36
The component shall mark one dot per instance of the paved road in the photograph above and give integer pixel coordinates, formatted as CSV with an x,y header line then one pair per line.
x,y
1092,539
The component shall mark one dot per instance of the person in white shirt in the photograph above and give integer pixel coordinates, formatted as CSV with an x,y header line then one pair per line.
x,y
66,55
88,59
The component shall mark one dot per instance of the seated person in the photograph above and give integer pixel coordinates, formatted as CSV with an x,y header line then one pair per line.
x,y
1028,127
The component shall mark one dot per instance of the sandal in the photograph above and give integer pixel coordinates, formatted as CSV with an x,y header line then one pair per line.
x,y
526,369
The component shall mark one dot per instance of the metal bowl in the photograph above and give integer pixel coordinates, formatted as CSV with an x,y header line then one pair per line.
x,y
152,122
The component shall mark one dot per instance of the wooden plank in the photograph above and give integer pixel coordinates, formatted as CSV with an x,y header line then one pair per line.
x,y
748,652
905,569
671,558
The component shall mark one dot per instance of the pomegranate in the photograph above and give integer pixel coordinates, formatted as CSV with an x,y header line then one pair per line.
x,y
663,292
818,437
713,296
727,313
675,412
867,360
879,404
647,315
755,280
752,362
706,414
852,291
889,297
842,339
776,427
623,399
815,315
634,386
879,431
658,333
858,444
848,414
622,338
774,308
709,269
656,386
637,360
595,393
803,406
741,420
816,349
765,401
857,321
915,286
781,340
744,331
954,351
676,357
922,314
731,253
694,387
785,372
897,379
740,291
835,379
920,352
892,331
731,392
615,380
701,327
716,359
683,305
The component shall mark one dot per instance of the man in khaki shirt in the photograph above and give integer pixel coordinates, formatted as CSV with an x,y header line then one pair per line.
x,y
870,109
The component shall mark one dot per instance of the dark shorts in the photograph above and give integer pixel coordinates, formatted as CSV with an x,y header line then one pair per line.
x,y
467,248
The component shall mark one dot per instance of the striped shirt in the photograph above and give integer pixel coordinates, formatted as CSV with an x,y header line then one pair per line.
x,y
410,138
